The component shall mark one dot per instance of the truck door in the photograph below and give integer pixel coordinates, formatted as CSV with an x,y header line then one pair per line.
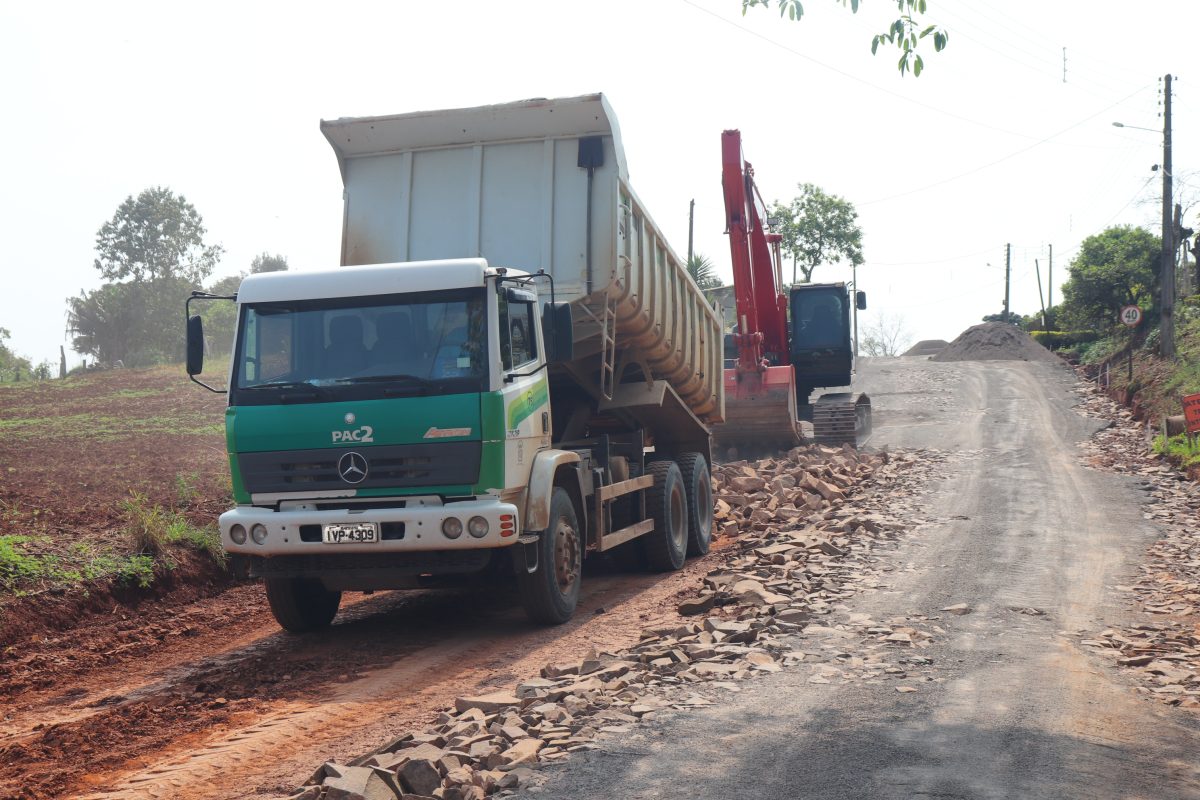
x,y
525,390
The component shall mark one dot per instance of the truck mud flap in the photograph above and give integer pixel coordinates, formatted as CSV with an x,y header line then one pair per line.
x,y
525,554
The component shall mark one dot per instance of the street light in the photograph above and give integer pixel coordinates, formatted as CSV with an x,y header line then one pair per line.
x,y
1135,127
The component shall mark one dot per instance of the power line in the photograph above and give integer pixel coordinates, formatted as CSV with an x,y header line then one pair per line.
x,y
963,257
854,78
1033,35
1000,160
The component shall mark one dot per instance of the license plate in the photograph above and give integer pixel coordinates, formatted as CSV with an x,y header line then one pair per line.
x,y
357,533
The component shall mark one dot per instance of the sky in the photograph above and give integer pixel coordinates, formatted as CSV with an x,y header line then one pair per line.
x,y
221,102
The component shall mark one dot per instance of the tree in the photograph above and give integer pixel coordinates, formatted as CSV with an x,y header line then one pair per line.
x,y
905,32
887,336
702,272
133,324
158,235
1112,269
153,254
12,366
818,228
1013,318
220,316
266,262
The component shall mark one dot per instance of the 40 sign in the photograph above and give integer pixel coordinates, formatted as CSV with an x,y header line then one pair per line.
x,y
1131,316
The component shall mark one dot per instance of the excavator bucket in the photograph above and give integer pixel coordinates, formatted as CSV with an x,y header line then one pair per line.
x,y
760,413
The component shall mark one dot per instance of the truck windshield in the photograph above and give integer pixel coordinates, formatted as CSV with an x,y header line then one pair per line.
x,y
356,348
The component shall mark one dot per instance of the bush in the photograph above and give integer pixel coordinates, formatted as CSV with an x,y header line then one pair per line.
x,y
152,529
1177,449
1058,340
1101,349
146,526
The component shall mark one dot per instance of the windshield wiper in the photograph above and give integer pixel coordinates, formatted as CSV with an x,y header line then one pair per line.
x,y
307,391
415,380
281,385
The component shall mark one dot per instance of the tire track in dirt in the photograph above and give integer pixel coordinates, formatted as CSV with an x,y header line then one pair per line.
x,y
203,717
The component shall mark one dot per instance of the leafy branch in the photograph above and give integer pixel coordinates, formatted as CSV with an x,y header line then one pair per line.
x,y
905,32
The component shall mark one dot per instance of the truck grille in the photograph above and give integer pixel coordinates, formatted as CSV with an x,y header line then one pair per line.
x,y
388,466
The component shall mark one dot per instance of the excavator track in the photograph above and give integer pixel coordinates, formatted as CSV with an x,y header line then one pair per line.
x,y
842,417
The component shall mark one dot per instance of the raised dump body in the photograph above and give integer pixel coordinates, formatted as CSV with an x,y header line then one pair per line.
x,y
538,185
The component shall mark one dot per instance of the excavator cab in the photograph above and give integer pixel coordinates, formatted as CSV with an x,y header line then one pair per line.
x,y
821,350
822,354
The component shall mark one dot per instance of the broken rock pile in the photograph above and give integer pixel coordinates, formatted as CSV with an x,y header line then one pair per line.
x,y
799,548
1163,652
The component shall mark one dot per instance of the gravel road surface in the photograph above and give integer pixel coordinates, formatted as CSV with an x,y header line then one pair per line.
x,y
1031,542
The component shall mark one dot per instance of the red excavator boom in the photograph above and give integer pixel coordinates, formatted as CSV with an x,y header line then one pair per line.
x,y
760,390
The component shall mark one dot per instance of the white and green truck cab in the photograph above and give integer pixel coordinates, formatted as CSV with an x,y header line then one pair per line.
x,y
511,371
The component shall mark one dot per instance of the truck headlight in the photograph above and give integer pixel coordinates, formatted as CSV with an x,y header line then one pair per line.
x,y
452,527
238,534
258,532
478,527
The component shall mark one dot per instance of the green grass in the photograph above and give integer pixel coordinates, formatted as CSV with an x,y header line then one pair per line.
x,y
23,568
152,538
132,394
99,427
186,490
1178,449
152,530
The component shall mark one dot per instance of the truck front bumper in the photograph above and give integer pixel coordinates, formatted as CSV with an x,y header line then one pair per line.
x,y
415,527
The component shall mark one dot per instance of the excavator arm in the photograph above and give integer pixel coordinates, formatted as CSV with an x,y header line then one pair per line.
x,y
760,390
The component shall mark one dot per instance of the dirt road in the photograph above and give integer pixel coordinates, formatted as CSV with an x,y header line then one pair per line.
x,y
211,700
1013,706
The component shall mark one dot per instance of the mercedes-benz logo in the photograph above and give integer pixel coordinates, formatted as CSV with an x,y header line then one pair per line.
x,y
352,467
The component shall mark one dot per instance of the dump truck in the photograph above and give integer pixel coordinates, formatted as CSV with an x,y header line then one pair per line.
x,y
511,371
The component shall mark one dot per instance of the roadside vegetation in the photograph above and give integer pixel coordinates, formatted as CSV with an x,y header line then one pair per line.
x,y
111,482
151,539
1119,267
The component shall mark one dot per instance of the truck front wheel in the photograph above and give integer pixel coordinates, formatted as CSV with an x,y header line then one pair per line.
x,y
551,592
301,604
667,505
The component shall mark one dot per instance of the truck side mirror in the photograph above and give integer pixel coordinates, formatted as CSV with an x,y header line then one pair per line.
x,y
860,300
195,345
558,332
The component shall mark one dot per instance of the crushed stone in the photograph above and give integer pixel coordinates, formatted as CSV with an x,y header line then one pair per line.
x,y
995,341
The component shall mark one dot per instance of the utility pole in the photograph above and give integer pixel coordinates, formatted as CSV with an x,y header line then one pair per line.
x,y
1167,267
1050,281
691,226
1040,300
1007,273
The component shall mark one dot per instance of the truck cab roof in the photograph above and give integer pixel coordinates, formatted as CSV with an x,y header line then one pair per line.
x,y
373,279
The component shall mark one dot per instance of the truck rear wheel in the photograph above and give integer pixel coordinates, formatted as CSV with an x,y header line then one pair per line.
x,y
667,505
301,604
551,592
698,486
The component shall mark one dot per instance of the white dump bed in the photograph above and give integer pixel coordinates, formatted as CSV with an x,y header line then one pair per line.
x,y
505,183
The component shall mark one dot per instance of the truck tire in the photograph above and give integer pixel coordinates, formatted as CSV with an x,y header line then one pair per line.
x,y
666,503
698,486
551,593
301,604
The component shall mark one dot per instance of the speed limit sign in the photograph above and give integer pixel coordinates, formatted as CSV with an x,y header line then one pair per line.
x,y
1131,315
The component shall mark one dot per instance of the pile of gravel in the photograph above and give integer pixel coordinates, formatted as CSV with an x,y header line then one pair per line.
x,y
927,347
995,341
